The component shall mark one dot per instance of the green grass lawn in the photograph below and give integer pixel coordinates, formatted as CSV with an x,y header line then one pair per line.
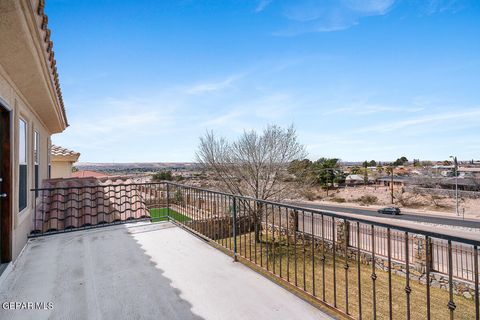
x,y
160,214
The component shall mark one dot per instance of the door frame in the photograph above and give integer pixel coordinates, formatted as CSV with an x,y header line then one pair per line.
x,y
6,225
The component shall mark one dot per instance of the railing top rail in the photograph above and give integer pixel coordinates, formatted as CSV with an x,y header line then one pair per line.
x,y
101,185
403,226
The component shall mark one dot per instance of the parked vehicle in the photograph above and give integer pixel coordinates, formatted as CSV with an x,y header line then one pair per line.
x,y
390,210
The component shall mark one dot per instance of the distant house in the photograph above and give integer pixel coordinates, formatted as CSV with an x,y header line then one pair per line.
x,y
354,179
398,181
62,160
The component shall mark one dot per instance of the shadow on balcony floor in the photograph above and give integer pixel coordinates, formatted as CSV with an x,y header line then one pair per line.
x,y
140,271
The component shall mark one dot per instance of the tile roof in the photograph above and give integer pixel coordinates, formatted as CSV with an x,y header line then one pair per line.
x,y
80,202
60,151
51,55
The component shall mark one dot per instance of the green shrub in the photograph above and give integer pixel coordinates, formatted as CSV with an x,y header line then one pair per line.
x,y
163,175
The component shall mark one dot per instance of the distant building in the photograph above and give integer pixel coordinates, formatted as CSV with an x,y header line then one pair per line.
x,y
62,160
354,179
398,181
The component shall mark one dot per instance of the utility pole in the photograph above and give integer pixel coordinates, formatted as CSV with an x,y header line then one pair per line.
x,y
455,163
391,183
365,174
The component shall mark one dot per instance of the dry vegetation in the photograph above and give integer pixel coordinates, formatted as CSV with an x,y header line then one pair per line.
x,y
355,195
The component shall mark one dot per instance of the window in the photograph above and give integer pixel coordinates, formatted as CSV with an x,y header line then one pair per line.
x,y
36,157
22,159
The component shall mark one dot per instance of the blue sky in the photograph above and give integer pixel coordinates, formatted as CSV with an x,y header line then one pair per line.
x,y
372,79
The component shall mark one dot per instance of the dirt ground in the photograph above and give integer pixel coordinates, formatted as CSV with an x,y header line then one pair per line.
x,y
381,196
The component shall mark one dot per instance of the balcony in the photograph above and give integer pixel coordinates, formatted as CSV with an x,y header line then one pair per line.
x,y
355,267
141,271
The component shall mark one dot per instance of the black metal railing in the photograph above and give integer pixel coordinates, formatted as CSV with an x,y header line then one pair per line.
x,y
360,267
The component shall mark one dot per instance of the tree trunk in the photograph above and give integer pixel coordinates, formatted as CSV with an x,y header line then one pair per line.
x,y
293,224
258,223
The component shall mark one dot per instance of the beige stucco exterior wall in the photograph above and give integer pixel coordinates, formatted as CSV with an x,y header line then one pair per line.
x,y
61,169
12,99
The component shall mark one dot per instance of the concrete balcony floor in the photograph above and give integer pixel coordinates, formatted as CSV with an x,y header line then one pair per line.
x,y
141,271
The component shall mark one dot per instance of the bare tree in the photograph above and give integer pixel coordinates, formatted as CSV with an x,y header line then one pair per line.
x,y
255,165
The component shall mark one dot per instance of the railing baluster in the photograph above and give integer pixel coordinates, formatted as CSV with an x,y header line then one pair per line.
x,y
258,224
245,228
475,272
389,257
226,217
312,239
168,201
408,290
43,212
304,250
323,259
461,259
295,244
359,273
273,238
241,214
280,236
374,275
334,261
250,230
427,272
267,241
346,233
254,214
287,211
234,229
451,303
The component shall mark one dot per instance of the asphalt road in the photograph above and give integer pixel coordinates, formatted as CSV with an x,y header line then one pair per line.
x,y
407,216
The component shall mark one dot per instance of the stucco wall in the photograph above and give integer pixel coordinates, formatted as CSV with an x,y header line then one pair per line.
x,y
12,98
61,169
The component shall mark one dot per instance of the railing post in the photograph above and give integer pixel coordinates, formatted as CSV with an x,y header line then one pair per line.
x,y
168,201
234,209
34,213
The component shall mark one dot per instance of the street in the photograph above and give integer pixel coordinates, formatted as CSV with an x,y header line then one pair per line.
x,y
408,216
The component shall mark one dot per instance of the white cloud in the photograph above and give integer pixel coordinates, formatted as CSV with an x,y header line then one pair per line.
x,y
224,119
252,112
376,7
371,109
452,117
438,6
262,4
330,15
207,87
